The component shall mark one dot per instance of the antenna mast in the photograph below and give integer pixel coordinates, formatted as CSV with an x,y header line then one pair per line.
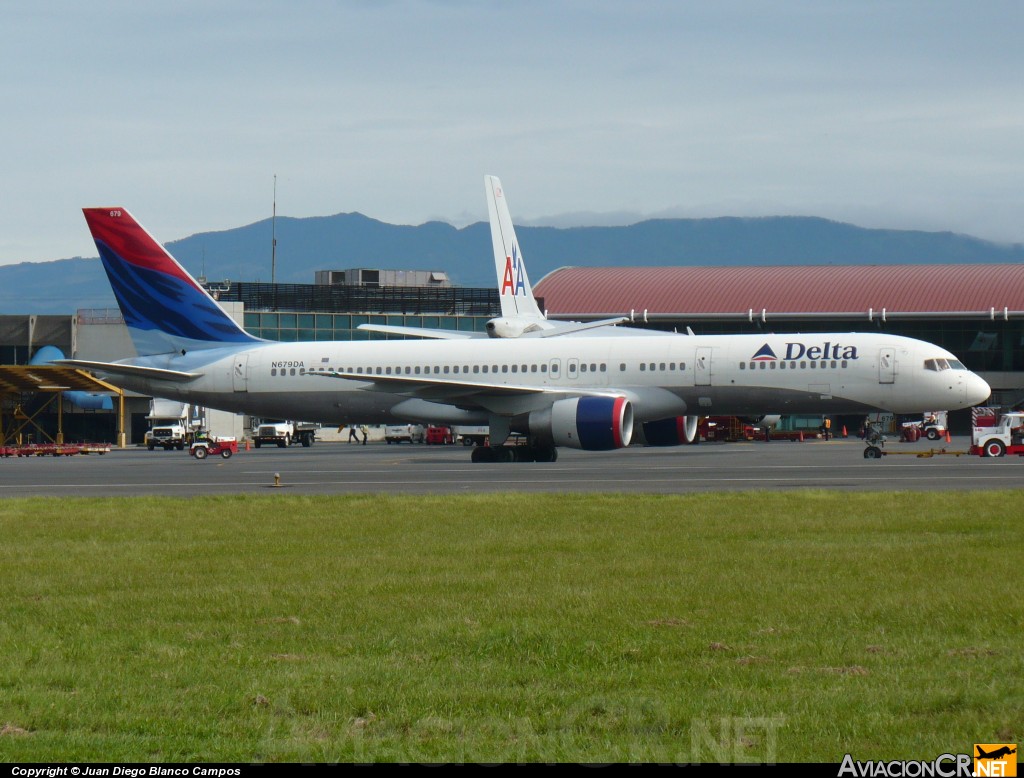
x,y
273,237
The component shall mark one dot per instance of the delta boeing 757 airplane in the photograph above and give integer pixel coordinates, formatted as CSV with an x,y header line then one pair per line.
x,y
582,391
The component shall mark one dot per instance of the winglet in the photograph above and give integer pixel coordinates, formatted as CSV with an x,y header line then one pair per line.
x,y
165,309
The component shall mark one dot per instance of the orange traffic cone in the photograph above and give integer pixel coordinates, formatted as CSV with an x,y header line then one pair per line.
x,y
801,436
844,430
948,438
247,444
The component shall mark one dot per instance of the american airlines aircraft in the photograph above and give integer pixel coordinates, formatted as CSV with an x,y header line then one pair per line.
x,y
584,391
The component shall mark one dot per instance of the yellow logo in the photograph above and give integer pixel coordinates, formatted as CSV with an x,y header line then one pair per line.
x,y
995,759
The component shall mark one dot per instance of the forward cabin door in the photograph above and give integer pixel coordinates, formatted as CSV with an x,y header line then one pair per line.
x,y
887,365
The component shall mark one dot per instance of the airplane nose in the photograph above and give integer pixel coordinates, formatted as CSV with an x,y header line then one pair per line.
x,y
978,390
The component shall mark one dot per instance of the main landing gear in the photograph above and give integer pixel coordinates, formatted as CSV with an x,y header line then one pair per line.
x,y
515,454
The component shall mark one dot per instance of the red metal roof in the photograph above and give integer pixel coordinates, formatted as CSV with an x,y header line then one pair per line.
x,y
814,289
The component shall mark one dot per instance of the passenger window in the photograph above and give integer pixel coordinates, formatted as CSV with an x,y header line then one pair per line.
x,y
643,366
273,371
622,367
583,367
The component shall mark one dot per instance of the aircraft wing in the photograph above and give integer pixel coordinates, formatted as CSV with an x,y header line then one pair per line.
x,y
131,371
509,398
421,332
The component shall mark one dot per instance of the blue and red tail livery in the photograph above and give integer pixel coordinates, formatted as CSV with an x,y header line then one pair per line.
x,y
165,309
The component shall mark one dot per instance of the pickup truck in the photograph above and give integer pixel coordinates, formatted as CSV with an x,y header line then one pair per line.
x,y
398,433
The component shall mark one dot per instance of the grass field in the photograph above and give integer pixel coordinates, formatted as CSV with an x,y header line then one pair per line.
x,y
735,627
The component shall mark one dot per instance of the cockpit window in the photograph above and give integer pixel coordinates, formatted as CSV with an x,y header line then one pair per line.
x,y
938,364
956,364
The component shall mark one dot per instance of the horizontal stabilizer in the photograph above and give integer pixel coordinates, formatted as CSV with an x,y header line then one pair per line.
x,y
419,332
579,326
133,371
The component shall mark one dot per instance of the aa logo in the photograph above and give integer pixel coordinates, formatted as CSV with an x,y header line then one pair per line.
x,y
999,759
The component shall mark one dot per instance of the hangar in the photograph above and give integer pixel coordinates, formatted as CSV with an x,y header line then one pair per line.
x,y
975,311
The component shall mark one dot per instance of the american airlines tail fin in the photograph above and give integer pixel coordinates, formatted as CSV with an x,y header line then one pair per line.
x,y
165,309
520,315
514,288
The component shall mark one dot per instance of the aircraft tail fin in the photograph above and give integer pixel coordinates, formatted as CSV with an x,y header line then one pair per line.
x,y
514,288
165,309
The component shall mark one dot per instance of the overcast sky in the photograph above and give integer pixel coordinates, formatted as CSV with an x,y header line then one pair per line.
x,y
883,114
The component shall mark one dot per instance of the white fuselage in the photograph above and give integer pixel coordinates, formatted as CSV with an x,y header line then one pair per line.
x,y
465,382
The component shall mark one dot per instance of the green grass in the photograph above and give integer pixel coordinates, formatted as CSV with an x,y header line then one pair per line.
x,y
750,627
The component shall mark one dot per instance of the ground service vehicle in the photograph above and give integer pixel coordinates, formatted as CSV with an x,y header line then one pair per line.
x,y
439,436
284,433
399,433
473,436
210,447
931,425
1006,437
169,426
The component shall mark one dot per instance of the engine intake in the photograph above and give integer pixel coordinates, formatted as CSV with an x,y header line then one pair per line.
x,y
588,423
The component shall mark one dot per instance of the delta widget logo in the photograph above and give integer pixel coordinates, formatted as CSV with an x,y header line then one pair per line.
x,y
796,350
995,759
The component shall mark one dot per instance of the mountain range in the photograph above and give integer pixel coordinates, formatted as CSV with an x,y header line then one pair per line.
x,y
352,240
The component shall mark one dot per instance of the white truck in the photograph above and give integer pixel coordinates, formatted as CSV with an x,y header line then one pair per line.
x,y
168,425
1005,437
402,433
284,433
473,436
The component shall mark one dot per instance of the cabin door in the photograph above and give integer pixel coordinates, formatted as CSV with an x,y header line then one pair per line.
x,y
887,365
702,367
240,373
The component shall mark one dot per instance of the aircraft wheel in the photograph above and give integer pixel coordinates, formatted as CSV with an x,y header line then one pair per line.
x,y
200,452
226,453
523,454
481,454
545,454
872,452
995,448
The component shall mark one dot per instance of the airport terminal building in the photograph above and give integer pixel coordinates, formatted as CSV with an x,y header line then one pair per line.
x,y
974,311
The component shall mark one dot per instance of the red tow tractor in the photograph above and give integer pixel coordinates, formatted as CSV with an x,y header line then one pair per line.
x,y
204,447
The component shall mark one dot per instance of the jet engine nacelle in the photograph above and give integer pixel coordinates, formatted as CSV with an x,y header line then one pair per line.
x,y
589,423
674,431
510,328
